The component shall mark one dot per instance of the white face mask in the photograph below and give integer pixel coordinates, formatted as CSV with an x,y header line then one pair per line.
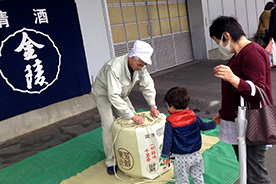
x,y
225,50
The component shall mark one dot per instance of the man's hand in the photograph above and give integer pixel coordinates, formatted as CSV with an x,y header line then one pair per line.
x,y
154,112
137,119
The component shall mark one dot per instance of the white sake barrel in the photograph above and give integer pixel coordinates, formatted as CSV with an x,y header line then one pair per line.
x,y
138,148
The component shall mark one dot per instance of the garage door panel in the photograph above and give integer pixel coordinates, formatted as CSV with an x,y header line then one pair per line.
x,y
183,48
162,23
164,52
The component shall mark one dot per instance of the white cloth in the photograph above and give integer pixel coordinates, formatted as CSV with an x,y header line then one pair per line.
x,y
143,50
228,132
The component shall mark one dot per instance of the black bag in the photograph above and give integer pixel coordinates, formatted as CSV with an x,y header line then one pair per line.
x,y
261,127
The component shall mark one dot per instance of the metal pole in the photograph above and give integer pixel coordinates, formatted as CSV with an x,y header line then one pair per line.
x,y
242,124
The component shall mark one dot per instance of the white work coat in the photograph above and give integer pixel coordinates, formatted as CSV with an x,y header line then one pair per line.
x,y
114,82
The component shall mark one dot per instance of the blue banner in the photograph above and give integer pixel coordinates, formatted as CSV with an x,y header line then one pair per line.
x,y
42,59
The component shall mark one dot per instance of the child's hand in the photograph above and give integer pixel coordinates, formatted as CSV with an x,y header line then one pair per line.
x,y
217,119
166,162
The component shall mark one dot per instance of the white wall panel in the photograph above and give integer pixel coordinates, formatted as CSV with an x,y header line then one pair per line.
x,y
207,23
215,10
228,8
94,33
252,18
241,10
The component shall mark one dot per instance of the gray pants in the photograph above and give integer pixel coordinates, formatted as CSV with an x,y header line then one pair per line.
x,y
188,164
256,167
105,110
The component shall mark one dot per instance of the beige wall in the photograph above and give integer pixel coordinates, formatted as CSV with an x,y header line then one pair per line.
x,y
169,21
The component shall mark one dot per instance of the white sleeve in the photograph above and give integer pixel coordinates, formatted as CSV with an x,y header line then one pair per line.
x,y
253,88
114,89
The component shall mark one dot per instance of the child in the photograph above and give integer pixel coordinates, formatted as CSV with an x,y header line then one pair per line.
x,y
182,137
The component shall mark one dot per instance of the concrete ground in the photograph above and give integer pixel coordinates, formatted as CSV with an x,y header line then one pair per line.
x,y
196,76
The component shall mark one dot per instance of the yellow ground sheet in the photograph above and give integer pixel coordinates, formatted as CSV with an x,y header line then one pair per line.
x,y
97,174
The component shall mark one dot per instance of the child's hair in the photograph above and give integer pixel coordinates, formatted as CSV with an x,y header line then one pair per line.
x,y
178,97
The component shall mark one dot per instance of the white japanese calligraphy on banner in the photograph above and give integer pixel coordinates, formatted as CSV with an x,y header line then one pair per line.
x,y
34,73
40,16
42,58
3,19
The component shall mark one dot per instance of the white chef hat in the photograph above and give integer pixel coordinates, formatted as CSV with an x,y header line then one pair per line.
x,y
143,50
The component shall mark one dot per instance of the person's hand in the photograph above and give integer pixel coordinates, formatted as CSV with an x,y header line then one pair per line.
x,y
224,72
217,119
166,162
137,119
154,112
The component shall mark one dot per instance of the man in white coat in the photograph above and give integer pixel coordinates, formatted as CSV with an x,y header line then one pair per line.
x,y
112,86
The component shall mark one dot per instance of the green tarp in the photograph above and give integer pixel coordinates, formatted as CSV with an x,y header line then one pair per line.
x,y
57,163
72,157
